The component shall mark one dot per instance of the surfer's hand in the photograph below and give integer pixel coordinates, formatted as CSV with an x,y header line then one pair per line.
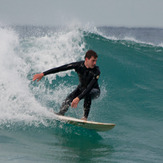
x,y
38,77
75,102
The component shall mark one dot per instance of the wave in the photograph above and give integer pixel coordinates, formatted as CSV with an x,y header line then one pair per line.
x,y
29,50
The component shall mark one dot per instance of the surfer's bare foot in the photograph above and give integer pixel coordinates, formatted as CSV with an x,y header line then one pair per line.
x,y
84,118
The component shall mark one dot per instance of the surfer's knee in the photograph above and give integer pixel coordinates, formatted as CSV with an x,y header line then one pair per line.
x,y
95,93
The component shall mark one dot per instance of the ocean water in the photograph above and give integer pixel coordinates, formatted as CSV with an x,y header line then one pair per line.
x,y
131,82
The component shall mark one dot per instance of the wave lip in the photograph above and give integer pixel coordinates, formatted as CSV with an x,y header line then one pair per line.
x,y
149,36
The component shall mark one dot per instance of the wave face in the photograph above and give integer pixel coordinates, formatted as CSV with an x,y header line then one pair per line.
x,y
131,64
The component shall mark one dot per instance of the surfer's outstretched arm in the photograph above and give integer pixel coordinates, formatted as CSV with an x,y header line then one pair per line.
x,y
70,66
38,77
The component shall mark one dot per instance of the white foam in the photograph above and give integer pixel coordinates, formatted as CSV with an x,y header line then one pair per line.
x,y
19,59
16,101
51,51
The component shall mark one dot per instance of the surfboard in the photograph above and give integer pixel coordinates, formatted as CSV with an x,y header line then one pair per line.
x,y
97,126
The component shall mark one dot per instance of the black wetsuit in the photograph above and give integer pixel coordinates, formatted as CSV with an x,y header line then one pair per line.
x,y
87,89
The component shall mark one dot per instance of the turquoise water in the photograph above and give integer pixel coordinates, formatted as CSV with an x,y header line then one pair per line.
x,y
131,82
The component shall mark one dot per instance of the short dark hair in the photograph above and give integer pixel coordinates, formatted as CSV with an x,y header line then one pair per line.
x,y
90,53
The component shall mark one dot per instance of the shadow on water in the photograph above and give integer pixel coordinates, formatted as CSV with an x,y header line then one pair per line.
x,y
81,145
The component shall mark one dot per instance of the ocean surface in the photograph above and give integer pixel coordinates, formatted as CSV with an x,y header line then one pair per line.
x,y
131,82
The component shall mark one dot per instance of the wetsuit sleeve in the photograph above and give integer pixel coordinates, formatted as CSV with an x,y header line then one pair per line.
x,y
61,68
89,87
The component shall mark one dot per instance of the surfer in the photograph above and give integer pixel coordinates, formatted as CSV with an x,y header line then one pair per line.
x,y
88,87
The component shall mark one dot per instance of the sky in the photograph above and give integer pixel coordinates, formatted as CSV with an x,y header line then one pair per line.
x,y
127,13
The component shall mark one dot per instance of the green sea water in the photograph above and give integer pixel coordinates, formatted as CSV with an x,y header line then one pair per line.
x,y
131,82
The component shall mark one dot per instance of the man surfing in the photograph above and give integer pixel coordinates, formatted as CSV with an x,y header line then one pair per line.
x,y
88,87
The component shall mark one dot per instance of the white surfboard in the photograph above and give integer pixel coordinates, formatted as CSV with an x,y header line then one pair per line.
x,y
98,126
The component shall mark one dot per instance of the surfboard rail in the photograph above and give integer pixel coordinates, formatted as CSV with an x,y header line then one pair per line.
x,y
98,126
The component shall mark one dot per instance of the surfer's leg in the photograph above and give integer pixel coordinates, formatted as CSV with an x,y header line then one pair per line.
x,y
87,105
67,102
94,93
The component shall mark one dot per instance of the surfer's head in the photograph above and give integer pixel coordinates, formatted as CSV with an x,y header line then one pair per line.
x,y
91,53
90,59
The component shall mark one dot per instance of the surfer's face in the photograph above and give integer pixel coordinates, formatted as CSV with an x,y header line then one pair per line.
x,y
90,63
